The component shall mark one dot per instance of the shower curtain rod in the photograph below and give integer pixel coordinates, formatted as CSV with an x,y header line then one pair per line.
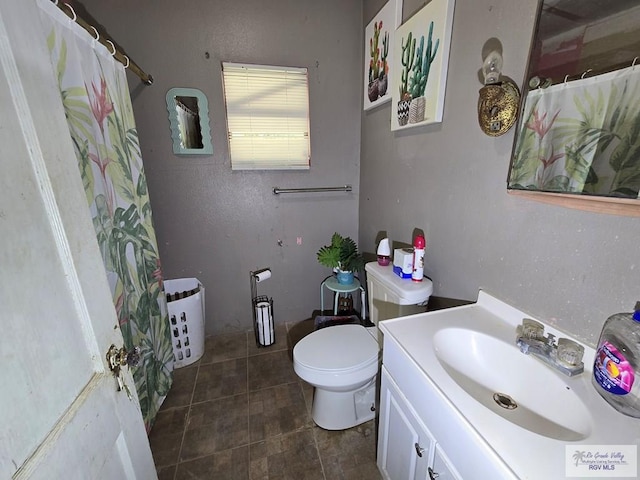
x,y
117,54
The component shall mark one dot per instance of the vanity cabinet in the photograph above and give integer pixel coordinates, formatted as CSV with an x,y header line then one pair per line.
x,y
421,435
444,378
406,448
442,468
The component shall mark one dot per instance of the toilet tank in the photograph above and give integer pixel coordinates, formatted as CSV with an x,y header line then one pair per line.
x,y
391,296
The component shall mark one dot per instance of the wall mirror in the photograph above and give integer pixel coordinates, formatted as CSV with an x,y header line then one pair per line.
x,y
578,132
189,119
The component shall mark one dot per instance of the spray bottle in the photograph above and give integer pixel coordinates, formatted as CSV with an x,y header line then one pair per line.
x,y
418,258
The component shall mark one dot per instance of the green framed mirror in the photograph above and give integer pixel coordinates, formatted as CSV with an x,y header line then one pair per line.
x,y
189,120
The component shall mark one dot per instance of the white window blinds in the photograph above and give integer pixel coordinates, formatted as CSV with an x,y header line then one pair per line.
x,y
267,116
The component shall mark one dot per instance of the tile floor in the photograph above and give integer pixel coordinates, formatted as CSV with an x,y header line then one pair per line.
x,y
241,412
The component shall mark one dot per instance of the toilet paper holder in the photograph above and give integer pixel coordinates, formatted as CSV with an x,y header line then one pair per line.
x,y
262,308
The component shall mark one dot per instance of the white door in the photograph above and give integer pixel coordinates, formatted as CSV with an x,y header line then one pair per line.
x,y
61,415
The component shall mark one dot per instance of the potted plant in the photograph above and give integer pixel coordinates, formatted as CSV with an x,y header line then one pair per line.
x,y
342,256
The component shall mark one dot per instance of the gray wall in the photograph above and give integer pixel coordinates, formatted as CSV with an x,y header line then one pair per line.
x,y
568,267
218,225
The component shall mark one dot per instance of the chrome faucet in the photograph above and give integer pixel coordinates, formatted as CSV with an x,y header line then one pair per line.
x,y
565,355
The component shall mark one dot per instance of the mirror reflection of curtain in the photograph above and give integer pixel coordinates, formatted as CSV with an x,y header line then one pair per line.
x,y
98,109
581,137
189,125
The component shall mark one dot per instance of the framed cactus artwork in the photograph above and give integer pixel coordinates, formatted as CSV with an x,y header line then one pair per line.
x,y
378,54
420,62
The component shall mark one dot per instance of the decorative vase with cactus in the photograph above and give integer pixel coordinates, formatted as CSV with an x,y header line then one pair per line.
x,y
378,67
416,65
420,75
408,50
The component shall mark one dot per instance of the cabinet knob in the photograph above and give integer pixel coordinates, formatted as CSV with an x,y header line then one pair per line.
x,y
419,449
432,475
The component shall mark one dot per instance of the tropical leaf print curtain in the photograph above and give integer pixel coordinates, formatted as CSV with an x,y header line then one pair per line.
x,y
98,109
581,137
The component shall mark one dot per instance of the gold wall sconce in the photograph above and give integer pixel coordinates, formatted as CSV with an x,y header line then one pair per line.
x,y
499,99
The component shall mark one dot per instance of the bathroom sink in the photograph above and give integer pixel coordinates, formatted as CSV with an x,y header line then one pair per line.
x,y
464,362
515,386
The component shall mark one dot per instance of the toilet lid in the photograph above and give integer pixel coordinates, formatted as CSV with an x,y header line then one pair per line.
x,y
341,347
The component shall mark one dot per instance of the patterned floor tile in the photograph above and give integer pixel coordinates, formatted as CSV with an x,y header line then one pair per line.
x,y
270,369
166,435
222,379
242,413
226,465
218,348
349,454
184,380
166,473
292,456
277,410
216,425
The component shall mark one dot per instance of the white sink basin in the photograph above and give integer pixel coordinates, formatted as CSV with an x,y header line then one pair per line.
x,y
510,384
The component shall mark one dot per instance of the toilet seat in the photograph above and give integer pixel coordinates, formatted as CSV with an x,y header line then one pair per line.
x,y
340,348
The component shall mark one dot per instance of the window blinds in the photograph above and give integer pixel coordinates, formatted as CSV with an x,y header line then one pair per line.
x,y
267,116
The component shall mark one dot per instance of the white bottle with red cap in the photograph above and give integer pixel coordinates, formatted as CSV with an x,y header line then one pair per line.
x,y
419,245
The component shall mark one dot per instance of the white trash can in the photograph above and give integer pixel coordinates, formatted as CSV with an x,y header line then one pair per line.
x,y
185,304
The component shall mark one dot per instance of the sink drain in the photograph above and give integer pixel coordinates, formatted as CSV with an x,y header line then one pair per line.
x,y
505,401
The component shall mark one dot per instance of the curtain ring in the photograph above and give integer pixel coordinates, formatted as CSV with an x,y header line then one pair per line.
x,y
633,64
72,11
585,73
565,79
127,65
96,31
114,47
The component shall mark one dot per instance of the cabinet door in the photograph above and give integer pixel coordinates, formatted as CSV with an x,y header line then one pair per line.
x,y
405,447
442,468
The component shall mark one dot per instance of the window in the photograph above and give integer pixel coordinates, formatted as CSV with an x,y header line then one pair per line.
x,y
267,116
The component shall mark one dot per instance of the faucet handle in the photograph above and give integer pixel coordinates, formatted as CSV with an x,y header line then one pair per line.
x,y
570,353
532,329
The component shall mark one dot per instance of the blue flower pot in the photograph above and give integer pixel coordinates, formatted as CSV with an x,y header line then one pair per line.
x,y
344,278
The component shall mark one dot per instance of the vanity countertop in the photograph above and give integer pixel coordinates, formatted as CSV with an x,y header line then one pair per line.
x,y
568,416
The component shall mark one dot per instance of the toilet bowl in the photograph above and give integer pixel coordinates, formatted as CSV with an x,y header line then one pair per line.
x,y
342,361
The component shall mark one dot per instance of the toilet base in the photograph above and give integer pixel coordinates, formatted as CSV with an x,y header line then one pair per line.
x,y
342,410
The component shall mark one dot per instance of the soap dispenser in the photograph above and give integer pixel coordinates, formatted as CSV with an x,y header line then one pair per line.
x,y
616,367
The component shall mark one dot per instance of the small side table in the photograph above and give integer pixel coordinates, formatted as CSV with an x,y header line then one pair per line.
x,y
332,284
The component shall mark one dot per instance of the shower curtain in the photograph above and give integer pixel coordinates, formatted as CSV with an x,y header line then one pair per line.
x,y
96,100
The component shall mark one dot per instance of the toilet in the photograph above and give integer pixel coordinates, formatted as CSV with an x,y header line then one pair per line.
x,y
342,361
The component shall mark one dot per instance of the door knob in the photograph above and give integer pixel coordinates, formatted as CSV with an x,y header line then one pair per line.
x,y
120,357
117,358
